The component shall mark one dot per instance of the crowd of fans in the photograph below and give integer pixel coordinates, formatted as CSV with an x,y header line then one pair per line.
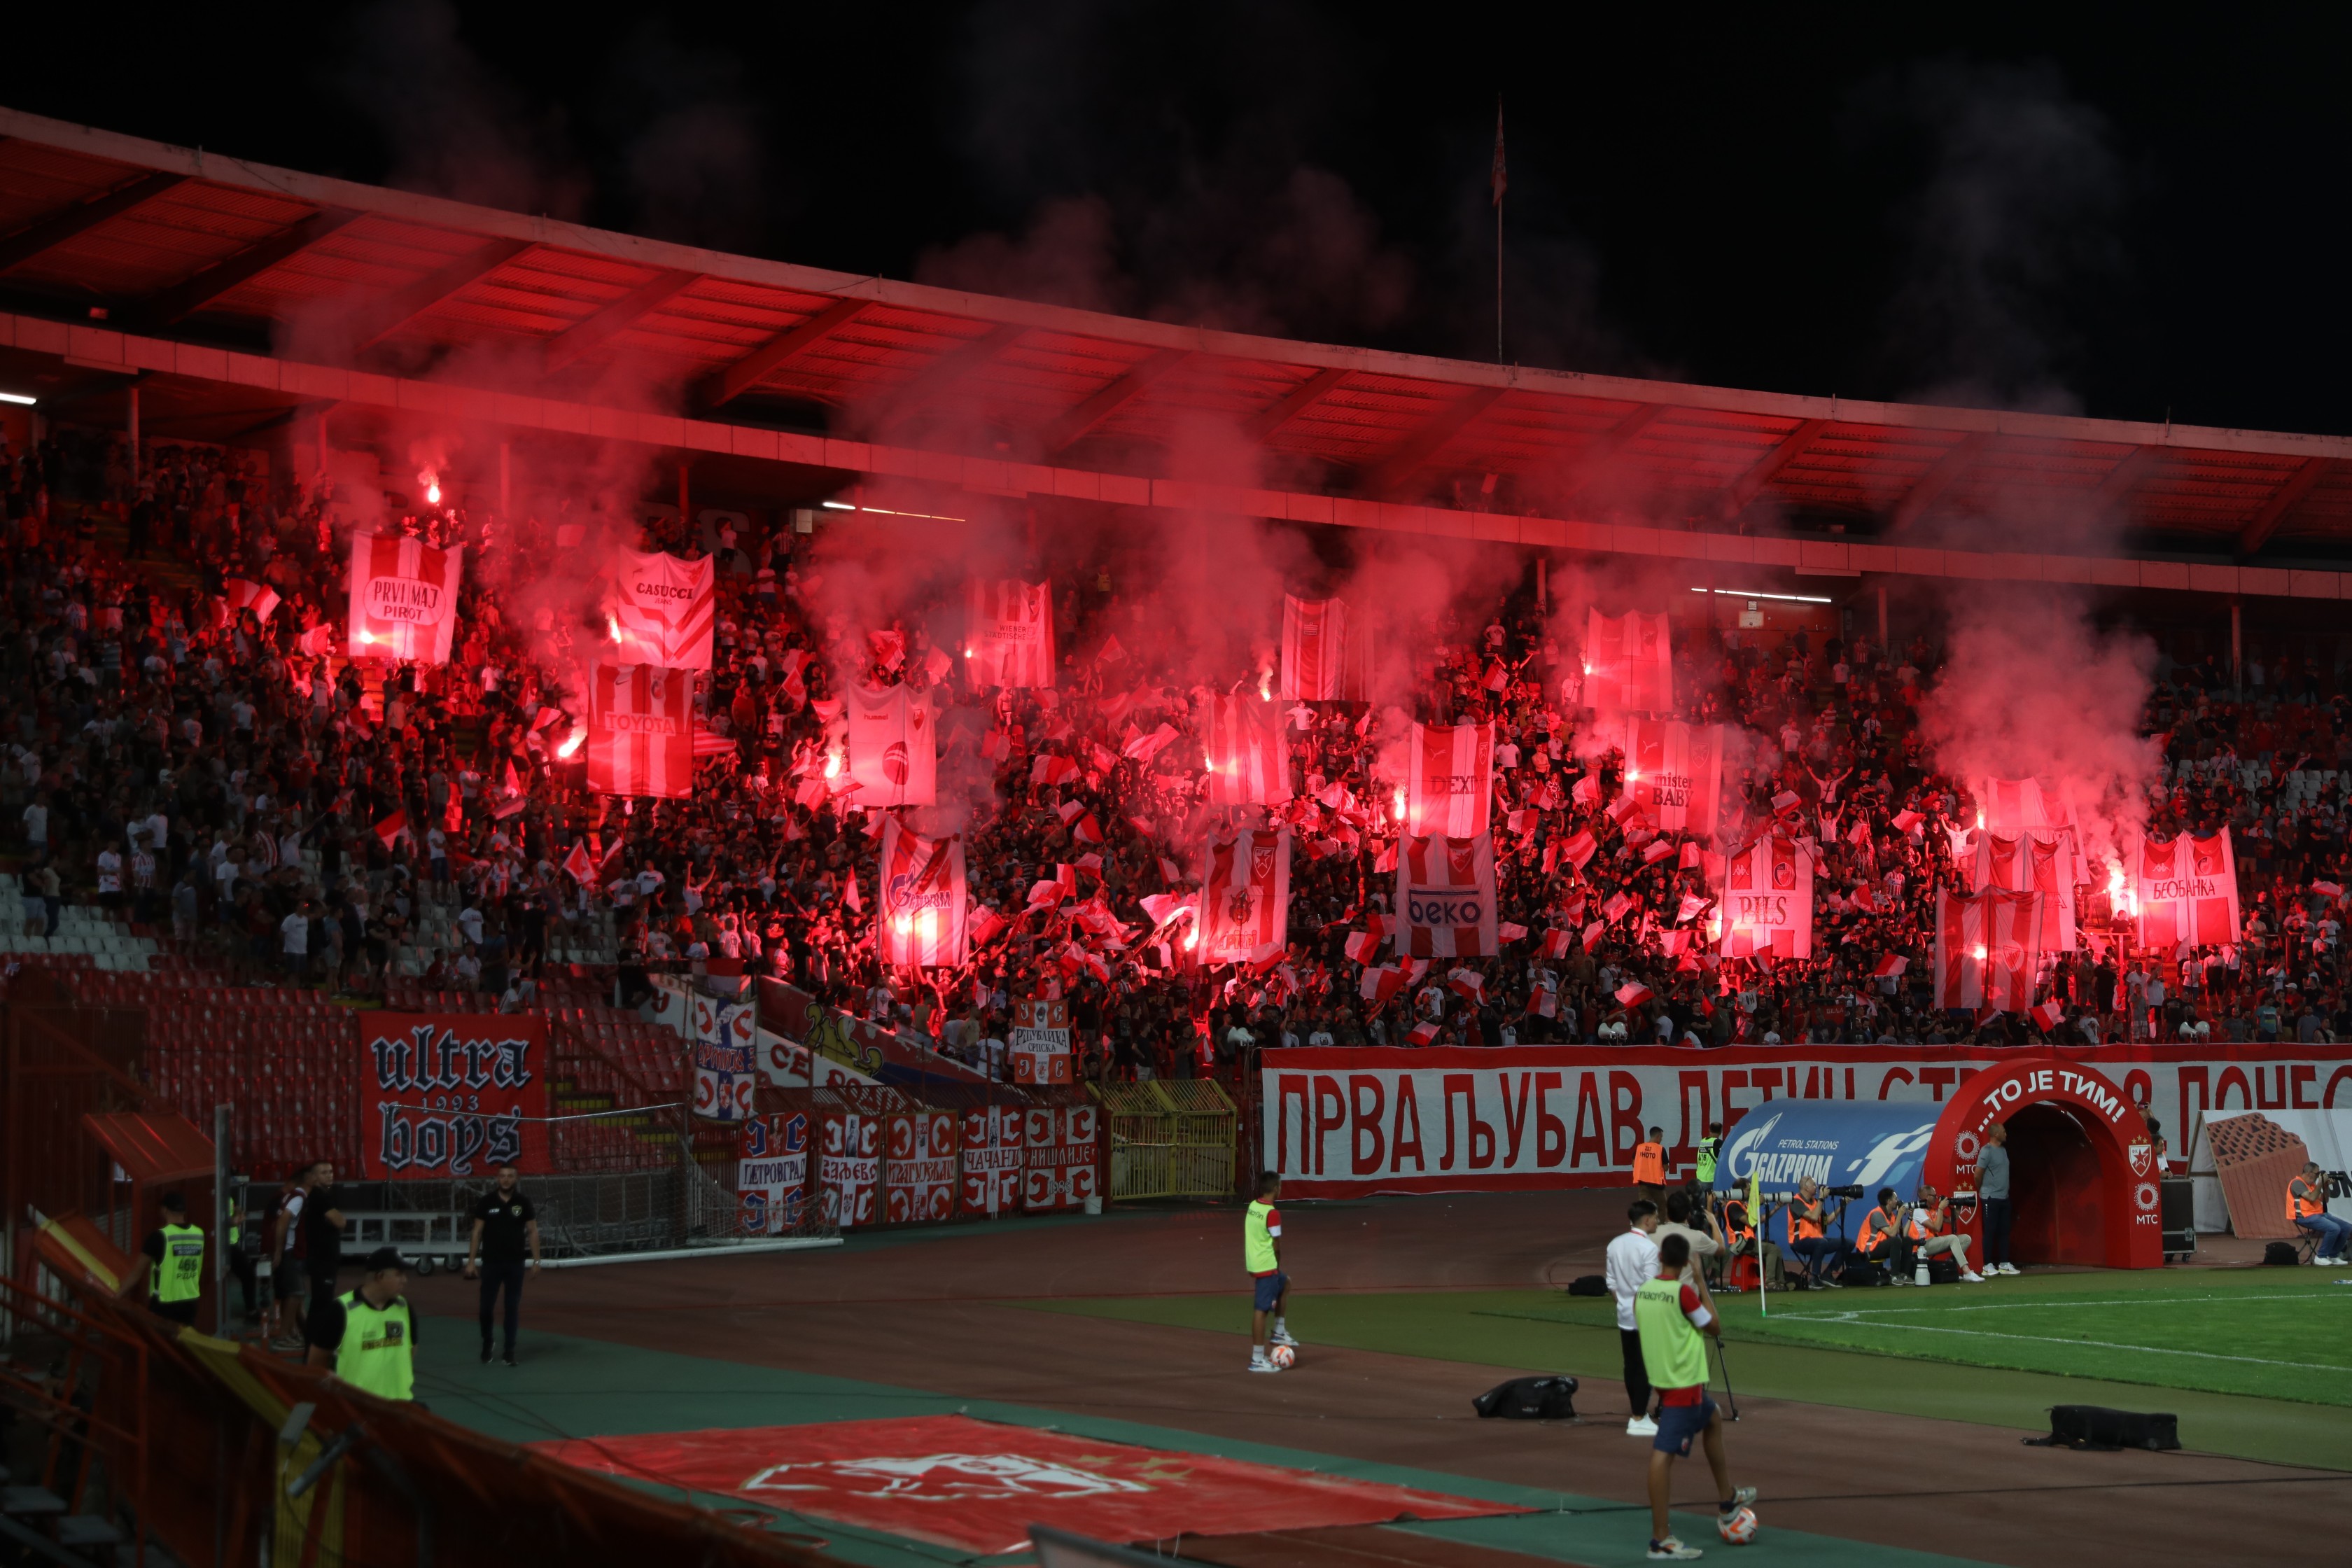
x,y
227,775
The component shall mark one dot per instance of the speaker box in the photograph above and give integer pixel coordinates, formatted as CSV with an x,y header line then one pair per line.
x,y
2094,1427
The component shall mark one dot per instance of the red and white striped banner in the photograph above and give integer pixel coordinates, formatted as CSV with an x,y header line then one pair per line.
x,y
1450,780
1628,663
893,749
921,919
1767,901
641,731
1445,898
1988,949
2188,892
403,598
1009,637
1246,898
1314,649
1675,772
2024,862
1242,736
666,609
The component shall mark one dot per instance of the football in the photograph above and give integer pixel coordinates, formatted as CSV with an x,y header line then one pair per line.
x,y
1282,1356
1737,1527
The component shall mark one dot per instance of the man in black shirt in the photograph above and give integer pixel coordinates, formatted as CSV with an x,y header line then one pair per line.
x,y
504,1222
322,1235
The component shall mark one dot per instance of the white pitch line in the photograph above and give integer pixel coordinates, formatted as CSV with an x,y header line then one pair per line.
x,y
1855,1319
2030,1302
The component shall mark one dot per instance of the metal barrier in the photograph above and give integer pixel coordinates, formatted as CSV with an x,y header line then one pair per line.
x,y
1170,1138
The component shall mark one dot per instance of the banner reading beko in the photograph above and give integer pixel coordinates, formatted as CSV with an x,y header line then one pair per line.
x,y
1339,1121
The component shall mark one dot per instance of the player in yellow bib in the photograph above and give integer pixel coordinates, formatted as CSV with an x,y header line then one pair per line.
x,y
1673,1314
1261,1255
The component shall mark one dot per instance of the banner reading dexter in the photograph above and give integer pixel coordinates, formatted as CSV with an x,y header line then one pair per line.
x,y
449,1095
1449,780
404,599
1342,1122
663,610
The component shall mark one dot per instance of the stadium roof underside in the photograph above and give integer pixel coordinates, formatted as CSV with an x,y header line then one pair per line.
x,y
243,297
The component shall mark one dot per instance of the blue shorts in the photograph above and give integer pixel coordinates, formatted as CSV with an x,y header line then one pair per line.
x,y
1678,1424
1269,1290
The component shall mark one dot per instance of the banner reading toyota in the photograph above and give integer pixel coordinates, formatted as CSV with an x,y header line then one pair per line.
x,y
1345,1122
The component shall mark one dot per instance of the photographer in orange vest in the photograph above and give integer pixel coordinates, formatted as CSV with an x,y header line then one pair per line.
x,y
1650,1168
2307,1209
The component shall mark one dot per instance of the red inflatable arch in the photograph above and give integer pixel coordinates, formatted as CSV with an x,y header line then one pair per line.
x,y
2082,1177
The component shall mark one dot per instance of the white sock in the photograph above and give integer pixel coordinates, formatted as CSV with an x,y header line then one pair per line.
x,y
1257,1352
1281,1325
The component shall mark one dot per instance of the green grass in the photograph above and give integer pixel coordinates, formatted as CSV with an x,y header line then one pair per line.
x,y
1786,1357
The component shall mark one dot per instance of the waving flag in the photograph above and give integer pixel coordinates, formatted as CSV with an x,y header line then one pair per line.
x,y
403,598
1009,636
1449,780
1445,898
920,919
893,749
1988,949
1314,649
1246,898
666,609
1628,663
1767,901
1673,771
641,731
243,595
1241,737
2188,892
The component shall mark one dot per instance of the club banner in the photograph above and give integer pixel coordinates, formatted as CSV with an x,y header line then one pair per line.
x,y
664,610
994,1139
848,1168
1314,651
452,1095
641,731
772,1172
1009,637
1060,1156
893,749
1987,950
1675,772
1445,898
2030,861
921,921
1767,901
2187,890
1039,1045
404,599
919,1172
1628,663
726,1056
1241,736
1244,898
1346,1121
1449,781
789,1065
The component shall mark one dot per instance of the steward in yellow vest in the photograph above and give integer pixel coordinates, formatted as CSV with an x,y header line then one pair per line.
x,y
172,1264
369,1335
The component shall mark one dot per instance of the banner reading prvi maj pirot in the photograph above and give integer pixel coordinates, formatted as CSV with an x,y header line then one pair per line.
x,y
1342,1123
451,1094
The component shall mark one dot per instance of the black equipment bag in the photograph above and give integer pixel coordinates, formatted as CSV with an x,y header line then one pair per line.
x,y
2281,1252
1589,1284
1942,1270
2095,1429
1529,1399
1857,1274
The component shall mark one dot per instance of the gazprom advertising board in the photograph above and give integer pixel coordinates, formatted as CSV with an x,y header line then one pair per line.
x,y
1839,1143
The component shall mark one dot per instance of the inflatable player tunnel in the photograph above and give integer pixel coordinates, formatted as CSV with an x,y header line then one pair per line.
x,y
2082,1177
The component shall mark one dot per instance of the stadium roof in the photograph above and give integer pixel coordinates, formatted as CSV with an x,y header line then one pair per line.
x,y
237,263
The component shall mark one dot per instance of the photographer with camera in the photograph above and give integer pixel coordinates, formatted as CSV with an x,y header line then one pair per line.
x,y
1933,1214
1805,1229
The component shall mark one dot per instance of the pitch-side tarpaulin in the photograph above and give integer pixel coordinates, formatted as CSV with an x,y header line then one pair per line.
x,y
979,1485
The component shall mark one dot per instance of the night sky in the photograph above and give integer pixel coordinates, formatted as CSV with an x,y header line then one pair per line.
x,y
2076,213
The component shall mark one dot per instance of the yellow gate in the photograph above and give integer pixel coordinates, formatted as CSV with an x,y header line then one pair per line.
x,y
1169,1139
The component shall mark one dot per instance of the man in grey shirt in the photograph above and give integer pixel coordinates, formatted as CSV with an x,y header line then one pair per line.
x,y
1993,1195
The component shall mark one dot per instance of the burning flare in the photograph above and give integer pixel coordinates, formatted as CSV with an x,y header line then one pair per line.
x,y
572,744
612,626
432,483
833,764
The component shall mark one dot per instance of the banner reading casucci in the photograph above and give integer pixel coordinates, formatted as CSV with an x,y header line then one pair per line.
x,y
403,598
1342,1122
664,609
449,1095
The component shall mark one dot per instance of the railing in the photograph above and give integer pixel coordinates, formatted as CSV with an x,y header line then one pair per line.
x,y
94,1405
1170,1138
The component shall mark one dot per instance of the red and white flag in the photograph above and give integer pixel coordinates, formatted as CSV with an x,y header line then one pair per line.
x,y
666,609
1008,636
1314,649
1380,985
2050,1014
243,595
582,869
404,599
1246,898
641,731
893,747
1241,736
392,828
1632,993
1767,901
1466,982
1675,772
1628,663
1449,780
1420,1034
921,883
2028,861
1890,967
1988,949
2188,889
1445,898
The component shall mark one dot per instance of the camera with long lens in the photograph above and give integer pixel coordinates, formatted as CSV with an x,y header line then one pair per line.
x,y
1843,1192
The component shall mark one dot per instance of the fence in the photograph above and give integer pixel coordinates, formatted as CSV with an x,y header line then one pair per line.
x,y
1170,1138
